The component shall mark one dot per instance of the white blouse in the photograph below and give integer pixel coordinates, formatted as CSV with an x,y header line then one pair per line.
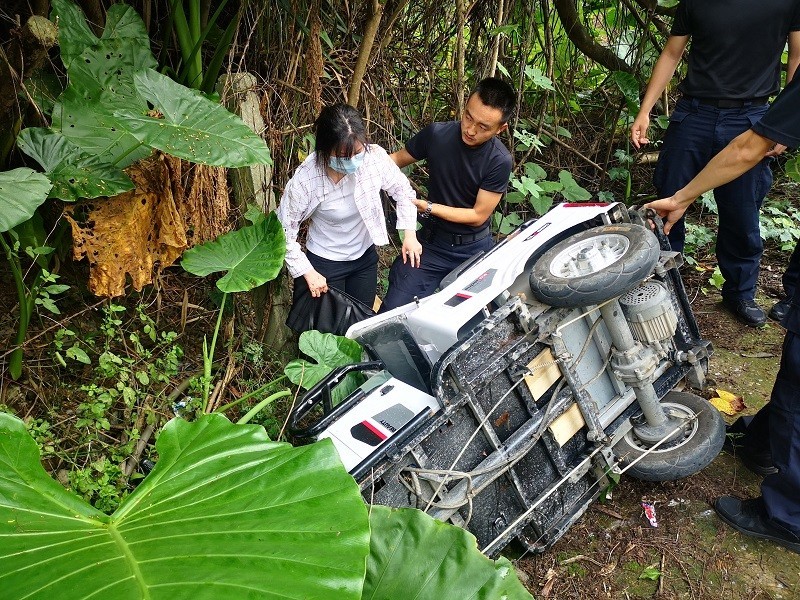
x,y
308,188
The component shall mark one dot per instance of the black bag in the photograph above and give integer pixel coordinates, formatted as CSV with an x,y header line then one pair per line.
x,y
333,312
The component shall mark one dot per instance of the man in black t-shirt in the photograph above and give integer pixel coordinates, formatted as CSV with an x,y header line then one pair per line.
x,y
469,169
733,67
771,440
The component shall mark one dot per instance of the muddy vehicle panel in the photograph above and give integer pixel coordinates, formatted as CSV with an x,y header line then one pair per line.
x,y
503,402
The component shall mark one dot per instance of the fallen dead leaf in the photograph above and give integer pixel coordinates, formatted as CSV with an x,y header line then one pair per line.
x,y
728,403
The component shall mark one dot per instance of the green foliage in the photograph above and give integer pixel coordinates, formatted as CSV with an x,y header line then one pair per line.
x,y
227,512
251,256
29,238
133,365
117,108
780,222
531,189
629,86
218,490
22,191
716,279
330,351
443,561
792,168
191,37
651,573
74,174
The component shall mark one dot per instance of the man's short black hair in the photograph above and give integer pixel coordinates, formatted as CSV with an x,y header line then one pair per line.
x,y
498,94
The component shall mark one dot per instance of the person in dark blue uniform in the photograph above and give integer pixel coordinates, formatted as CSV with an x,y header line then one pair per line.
x,y
790,279
727,85
469,169
774,432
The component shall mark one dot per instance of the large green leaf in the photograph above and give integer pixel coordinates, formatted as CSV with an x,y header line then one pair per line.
x,y
629,86
572,191
330,351
413,555
225,514
95,130
191,126
22,191
251,256
73,173
74,34
101,81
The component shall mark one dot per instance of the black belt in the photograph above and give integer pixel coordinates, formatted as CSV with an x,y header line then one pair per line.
x,y
456,239
725,103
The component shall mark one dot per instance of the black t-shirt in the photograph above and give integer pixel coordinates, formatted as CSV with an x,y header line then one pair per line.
x,y
458,171
781,123
736,45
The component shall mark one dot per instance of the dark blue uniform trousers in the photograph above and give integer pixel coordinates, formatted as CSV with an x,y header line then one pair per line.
x,y
438,259
695,134
791,276
781,491
777,426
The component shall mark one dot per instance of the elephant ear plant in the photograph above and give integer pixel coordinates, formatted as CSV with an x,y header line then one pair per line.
x,y
115,110
226,513
250,256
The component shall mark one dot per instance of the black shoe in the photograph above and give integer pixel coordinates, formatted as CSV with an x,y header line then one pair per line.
x,y
750,518
746,311
758,461
779,310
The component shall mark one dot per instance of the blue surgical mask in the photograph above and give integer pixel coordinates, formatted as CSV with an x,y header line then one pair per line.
x,y
347,165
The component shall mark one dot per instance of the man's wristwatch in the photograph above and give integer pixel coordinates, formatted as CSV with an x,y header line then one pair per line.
x,y
428,210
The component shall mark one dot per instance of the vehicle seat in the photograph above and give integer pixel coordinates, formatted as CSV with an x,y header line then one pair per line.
x,y
393,343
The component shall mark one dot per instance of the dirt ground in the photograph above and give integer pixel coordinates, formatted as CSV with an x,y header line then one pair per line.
x,y
613,551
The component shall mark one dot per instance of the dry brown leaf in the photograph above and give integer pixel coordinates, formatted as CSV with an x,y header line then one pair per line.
x,y
608,569
728,403
147,229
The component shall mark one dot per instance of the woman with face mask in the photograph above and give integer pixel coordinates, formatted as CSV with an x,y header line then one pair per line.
x,y
337,189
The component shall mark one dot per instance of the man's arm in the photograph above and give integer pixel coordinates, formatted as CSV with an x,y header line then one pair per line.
x,y
663,71
741,155
485,203
402,158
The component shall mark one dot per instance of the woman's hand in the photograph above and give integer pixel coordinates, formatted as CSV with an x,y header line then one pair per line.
x,y
412,249
317,284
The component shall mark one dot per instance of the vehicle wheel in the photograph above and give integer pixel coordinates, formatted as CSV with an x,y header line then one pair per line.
x,y
694,450
595,265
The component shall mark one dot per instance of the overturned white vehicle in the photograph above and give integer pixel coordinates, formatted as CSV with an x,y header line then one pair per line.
x,y
503,403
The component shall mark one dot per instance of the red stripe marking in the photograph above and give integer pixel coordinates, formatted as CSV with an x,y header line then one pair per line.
x,y
374,430
577,204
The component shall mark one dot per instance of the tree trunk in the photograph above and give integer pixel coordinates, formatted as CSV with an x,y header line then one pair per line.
x,y
360,68
580,36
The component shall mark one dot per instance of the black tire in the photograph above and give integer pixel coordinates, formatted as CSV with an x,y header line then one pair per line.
x,y
677,459
638,251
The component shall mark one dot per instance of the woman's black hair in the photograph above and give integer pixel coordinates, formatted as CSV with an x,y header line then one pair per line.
x,y
338,128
